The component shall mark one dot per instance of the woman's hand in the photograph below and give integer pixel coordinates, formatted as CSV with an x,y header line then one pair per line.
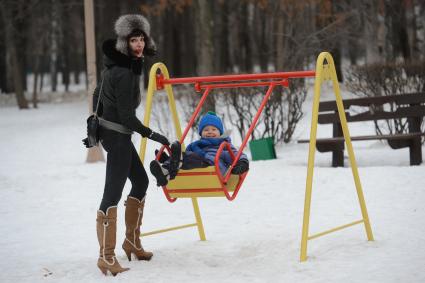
x,y
158,138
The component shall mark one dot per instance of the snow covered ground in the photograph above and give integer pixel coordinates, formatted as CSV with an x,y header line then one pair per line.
x,y
50,197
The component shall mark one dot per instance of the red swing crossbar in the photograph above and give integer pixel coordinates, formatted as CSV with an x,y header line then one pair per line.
x,y
208,83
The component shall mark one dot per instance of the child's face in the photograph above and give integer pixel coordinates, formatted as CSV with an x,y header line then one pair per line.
x,y
210,132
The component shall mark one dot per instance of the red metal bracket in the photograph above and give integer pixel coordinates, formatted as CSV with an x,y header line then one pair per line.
x,y
159,81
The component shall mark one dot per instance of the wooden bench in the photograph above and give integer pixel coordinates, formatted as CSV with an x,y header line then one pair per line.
x,y
410,106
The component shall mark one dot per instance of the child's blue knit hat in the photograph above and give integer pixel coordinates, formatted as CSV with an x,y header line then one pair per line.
x,y
210,119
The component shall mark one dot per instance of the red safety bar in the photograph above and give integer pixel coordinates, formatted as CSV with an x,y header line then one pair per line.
x,y
227,81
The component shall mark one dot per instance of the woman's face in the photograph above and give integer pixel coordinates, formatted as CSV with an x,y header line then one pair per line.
x,y
137,44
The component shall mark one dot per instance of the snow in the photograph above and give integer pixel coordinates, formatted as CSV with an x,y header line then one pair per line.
x,y
50,197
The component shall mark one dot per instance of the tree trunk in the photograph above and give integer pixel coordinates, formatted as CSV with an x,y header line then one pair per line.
x,y
9,24
263,24
187,40
280,30
76,76
205,54
252,50
336,54
396,16
41,81
411,30
170,48
3,68
17,79
36,69
373,33
336,46
421,23
220,35
233,36
54,46
10,85
65,30
94,154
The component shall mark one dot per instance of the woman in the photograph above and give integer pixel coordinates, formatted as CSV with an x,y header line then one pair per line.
x,y
120,96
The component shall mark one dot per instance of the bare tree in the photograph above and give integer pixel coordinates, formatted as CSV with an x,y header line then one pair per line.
x,y
205,51
13,14
420,7
54,49
3,77
39,38
244,103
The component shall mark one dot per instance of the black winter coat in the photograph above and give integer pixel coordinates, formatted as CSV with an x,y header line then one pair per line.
x,y
120,91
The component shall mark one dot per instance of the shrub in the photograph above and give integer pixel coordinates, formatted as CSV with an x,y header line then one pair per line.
x,y
280,115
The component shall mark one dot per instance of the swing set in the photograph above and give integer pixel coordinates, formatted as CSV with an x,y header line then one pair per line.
x,y
209,182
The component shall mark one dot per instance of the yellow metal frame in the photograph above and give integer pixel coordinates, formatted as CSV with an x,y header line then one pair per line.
x,y
152,88
325,71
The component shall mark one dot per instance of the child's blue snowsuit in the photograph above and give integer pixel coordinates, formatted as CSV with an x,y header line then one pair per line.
x,y
206,149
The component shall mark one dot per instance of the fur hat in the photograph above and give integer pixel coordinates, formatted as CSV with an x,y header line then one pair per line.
x,y
210,119
126,25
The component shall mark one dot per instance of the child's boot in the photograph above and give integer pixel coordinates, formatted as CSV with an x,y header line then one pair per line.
x,y
161,174
163,157
175,159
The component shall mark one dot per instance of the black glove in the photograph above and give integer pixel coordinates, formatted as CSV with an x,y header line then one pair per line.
x,y
86,142
241,167
158,138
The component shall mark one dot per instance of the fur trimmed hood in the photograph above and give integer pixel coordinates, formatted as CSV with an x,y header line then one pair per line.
x,y
125,25
114,58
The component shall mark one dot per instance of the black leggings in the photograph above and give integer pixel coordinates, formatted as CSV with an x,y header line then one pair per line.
x,y
122,162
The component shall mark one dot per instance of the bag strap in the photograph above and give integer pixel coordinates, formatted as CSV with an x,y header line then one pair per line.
x,y
114,126
100,93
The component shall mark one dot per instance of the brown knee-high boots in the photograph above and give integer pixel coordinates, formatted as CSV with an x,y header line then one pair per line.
x,y
106,234
133,220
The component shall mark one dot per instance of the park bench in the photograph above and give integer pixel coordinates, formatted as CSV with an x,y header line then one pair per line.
x,y
410,106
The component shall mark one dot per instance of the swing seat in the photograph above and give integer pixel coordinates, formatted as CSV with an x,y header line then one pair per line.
x,y
204,182
209,182
200,182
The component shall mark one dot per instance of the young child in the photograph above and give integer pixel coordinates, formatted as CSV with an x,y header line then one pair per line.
x,y
200,153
